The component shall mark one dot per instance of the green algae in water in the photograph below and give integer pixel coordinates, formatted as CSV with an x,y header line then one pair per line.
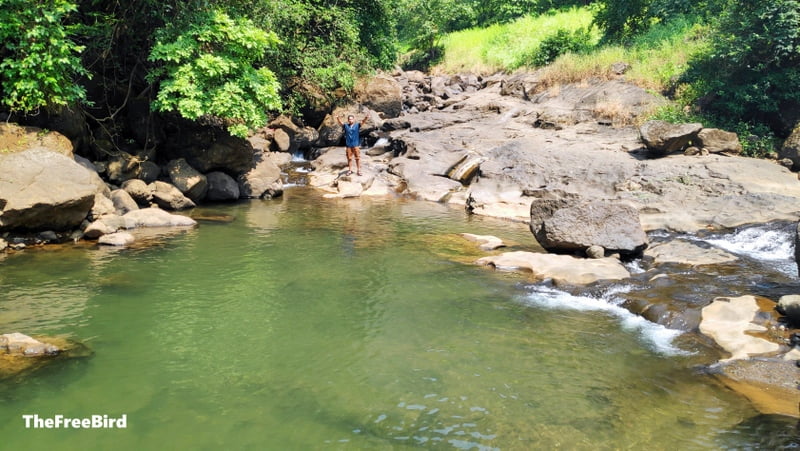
x,y
311,324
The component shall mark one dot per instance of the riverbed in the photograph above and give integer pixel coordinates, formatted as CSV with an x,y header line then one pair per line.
x,y
308,323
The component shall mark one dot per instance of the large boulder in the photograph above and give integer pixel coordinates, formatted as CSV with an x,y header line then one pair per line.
x,y
122,167
715,141
791,148
221,187
381,93
44,190
662,137
264,179
167,196
564,225
187,179
139,191
123,202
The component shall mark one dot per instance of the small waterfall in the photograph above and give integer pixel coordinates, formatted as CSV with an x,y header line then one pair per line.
x,y
381,142
770,243
657,337
298,157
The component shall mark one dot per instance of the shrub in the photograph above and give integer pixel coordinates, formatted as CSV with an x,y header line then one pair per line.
x,y
209,69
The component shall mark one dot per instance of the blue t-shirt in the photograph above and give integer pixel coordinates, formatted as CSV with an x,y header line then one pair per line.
x,y
351,138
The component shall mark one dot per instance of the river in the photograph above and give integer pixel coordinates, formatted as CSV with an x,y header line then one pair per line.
x,y
304,323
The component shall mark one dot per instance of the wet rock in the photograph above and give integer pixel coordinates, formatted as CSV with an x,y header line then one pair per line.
x,y
117,239
169,197
221,187
485,242
41,190
715,141
662,138
156,217
730,322
187,179
686,253
560,268
140,192
123,202
614,226
264,176
770,384
789,306
48,236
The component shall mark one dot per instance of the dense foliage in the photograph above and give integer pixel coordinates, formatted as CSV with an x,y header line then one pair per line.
x,y
209,69
238,61
40,63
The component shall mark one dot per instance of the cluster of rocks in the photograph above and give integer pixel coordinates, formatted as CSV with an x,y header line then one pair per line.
x,y
662,138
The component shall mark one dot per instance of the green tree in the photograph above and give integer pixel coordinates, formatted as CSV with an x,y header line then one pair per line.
x,y
752,71
211,69
40,61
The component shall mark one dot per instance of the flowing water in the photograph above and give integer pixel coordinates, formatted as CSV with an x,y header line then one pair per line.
x,y
354,324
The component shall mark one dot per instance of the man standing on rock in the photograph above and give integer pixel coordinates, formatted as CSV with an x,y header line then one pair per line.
x,y
352,141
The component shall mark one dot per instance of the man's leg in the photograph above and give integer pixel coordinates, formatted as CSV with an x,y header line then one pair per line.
x,y
357,156
349,151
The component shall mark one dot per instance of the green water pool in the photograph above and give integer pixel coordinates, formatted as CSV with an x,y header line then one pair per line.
x,y
353,324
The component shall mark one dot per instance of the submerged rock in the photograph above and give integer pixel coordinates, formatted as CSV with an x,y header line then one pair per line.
x,y
22,345
486,242
560,268
770,384
156,217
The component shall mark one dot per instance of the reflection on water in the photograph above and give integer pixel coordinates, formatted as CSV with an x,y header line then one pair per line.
x,y
311,324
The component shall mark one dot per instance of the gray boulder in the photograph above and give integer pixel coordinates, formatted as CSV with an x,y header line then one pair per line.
x,y
122,167
140,192
123,202
102,206
381,93
149,171
715,141
221,187
187,179
43,190
169,197
264,178
791,148
662,138
156,217
225,153
577,227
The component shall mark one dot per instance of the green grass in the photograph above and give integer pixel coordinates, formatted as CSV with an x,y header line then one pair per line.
x,y
657,58
505,47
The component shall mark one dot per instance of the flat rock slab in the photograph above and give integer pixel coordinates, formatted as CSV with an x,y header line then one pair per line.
x,y
729,321
560,268
686,253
